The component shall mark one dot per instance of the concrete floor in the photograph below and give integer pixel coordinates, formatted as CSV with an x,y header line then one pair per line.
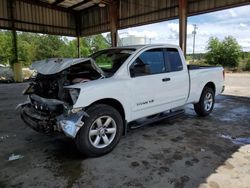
x,y
183,152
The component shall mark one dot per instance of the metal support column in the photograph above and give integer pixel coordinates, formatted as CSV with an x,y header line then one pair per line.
x,y
113,12
14,46
16,66
183,25
11,5
78,46
78,33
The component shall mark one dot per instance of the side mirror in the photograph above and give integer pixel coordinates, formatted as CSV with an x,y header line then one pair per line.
x,y
139,69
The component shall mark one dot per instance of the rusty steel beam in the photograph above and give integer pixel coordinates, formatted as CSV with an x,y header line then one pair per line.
x,y
183,25
37,24
113,13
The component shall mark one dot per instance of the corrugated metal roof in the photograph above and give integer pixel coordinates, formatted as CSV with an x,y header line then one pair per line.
x,y
85,17
35,18
204,6
147,11
4,23
135,13
69,3
94,19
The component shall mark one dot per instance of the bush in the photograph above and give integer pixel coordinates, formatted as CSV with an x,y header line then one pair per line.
x,y
247,67
226,53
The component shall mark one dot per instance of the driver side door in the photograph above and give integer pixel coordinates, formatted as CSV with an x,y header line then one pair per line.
x,y
148,83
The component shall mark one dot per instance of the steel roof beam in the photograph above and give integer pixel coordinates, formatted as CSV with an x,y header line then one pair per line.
x,y
47,5
80,4
57,2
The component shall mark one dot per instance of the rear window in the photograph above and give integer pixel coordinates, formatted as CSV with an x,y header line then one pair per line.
x,y
174,60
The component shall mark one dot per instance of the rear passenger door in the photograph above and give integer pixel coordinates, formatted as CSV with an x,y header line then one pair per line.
x,y
178,86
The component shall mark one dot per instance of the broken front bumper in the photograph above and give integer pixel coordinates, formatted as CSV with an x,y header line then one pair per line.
x,y
38,121
46,116
71,123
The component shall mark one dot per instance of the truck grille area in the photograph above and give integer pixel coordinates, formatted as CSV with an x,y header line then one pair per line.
x,y
53,107
40,122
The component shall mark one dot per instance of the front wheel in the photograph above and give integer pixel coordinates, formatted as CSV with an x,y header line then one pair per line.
x,y
101,131
206,103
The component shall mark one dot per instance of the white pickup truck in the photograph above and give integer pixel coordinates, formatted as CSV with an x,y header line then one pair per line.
x,y
95,100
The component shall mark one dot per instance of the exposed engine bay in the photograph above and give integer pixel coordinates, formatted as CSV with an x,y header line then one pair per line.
x,y
51,86
50,103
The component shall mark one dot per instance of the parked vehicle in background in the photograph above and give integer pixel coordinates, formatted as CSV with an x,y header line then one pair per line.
x,y
95,100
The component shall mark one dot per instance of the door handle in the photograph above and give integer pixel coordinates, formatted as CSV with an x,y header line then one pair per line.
x,y
166,79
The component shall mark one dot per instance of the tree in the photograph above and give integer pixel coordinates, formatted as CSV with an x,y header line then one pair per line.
x,y
26,47
32,47
226,53
48,46
5,47
99,42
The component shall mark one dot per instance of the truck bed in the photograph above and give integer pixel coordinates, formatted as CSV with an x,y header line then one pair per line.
x,y
200,76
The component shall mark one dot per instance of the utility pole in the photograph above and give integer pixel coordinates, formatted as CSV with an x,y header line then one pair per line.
x,y
194,33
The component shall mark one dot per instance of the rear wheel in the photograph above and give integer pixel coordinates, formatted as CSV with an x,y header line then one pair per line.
x,y
101,131
206,103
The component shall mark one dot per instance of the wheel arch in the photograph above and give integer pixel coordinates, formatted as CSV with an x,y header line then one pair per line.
x,y
210,85
115,104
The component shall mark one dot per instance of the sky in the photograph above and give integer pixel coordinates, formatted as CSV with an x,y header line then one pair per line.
x,y
234,22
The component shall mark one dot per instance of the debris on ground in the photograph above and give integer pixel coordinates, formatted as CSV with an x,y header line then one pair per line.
x,y
14,157
238,141
203,150
3,137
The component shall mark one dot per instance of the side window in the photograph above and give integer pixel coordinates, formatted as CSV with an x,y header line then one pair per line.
x,y
149,62
174,60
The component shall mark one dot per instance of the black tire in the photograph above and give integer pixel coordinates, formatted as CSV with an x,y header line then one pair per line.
x,y
86,143
200,108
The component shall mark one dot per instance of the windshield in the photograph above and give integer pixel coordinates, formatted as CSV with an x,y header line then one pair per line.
x,y
110,60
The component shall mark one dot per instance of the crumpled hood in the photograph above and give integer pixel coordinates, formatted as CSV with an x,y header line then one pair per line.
x,y
56,65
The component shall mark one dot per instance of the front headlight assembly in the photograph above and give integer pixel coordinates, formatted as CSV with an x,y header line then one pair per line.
x,y
74,94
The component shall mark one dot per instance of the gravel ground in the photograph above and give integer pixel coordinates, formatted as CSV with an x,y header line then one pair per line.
x,y
187,151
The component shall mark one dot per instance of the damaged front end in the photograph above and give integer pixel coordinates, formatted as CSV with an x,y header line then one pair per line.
x,y
48,116
49,108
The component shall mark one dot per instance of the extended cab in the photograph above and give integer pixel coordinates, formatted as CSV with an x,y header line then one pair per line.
x,y
95,100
